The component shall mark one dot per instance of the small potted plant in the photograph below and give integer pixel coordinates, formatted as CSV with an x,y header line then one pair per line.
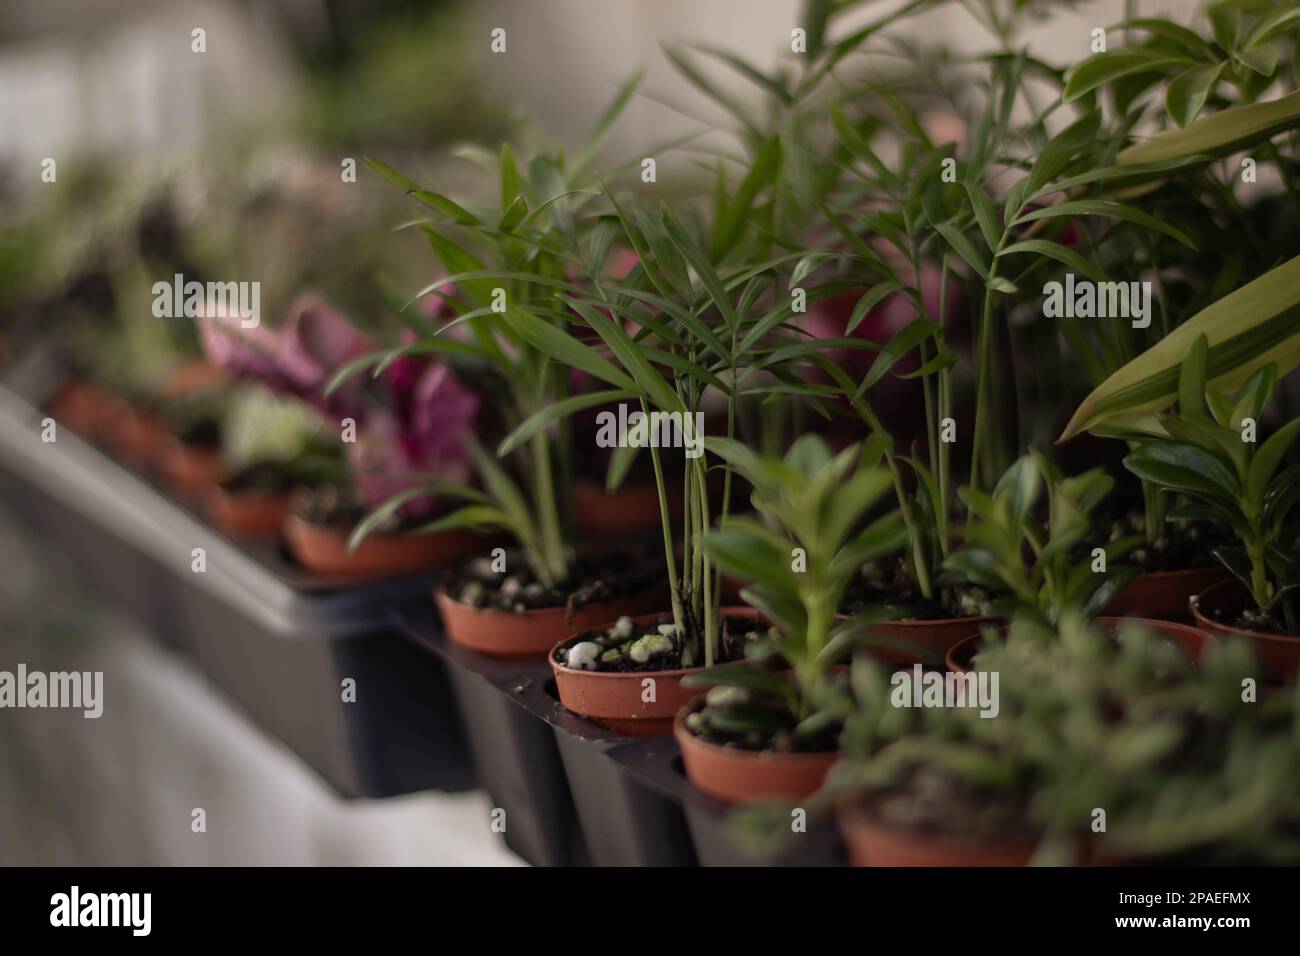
x,y
760,732
1211,449
416,419
500,320
1041,570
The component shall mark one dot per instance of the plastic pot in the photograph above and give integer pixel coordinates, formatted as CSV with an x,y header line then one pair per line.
x,y
1278,654
631,511
531,634
249,514
1165,594
733,775
936,636
139,438
323,549
873,844
191,469
83,407
617,700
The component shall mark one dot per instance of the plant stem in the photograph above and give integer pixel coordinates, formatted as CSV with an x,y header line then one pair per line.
x,y
670,559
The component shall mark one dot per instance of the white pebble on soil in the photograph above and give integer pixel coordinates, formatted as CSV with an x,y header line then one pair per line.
x,y
647,647
582,656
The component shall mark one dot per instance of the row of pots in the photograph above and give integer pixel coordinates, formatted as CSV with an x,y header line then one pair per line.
x,y
616,700
195,473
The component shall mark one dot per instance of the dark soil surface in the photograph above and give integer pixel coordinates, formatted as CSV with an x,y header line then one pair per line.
x,y
262,480
593,579
625,647
1182,546
1254,619
748,720
933,803
887,582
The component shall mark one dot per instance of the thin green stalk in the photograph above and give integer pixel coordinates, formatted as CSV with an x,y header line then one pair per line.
x,y
552,540
670,558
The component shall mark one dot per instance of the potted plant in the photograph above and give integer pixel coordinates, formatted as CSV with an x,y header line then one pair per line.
x,y
1210,449
760,732
502,322
1092,739
1043,570
417,418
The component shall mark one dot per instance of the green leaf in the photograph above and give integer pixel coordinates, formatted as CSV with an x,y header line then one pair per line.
x,y
383,513
509,176
442,204
750,555
633,358
1188,91
1191,380
1189,40
1262,59
903,341
1225,22
869,301
1219,133
963,247
514,215
1103,68
986,214
1185,468
563,347
1110,209
731,226
704,270
1062,254
555,412
1272,25
1268,458
474,517
1254,326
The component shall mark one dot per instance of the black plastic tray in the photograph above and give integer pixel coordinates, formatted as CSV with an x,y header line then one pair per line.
x,y
277,640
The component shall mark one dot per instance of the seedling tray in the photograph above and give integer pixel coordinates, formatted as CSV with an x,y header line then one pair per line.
x,y
278,641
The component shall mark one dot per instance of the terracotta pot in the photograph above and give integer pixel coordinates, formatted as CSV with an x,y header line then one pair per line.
x,y
733,775
614,699
873,844
324,549
192,375
137,437
1192,642
83,407
1165,594
1278,654
938,636
632,510
531,635
250,514
191,469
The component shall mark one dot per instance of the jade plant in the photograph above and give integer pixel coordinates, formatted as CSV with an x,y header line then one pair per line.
x,y
1212,449
1036,568
796,567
